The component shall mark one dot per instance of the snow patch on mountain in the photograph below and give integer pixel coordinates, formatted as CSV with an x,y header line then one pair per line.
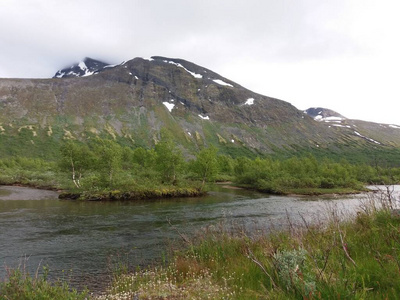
x,y
169,105
82,65
367,138
333,119
59,74
195,75
85,69
249,101
320,118
204,117
221,82
340,125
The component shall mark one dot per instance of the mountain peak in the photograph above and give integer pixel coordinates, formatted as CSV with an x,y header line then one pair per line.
x,y
86,67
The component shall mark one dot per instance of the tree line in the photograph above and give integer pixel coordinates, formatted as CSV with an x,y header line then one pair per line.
x,y
296,173
104,164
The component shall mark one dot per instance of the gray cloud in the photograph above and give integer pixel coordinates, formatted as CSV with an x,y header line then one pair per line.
x,y
120,30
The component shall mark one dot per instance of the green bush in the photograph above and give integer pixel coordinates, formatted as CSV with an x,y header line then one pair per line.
x,y
294,271
295,174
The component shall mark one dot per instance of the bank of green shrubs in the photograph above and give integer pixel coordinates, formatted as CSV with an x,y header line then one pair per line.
x,y
103,165
307,173
104,169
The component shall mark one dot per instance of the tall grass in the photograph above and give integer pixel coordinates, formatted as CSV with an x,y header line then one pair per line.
x,y
357,258
20,285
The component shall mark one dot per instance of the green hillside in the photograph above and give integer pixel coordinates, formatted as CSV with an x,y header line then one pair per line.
x,y
132,102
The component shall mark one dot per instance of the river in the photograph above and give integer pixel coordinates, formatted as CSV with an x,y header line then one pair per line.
x,y
82,241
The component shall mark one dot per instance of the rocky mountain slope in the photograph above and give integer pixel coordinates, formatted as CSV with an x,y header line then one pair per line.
x,y
133,101
374,133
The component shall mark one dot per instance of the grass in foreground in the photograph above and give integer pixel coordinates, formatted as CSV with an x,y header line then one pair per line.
x,y
356,259
22,286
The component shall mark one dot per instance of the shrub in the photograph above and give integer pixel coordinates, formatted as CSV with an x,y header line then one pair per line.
x,y
293,271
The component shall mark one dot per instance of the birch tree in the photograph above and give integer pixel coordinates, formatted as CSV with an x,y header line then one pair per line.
x,y
206,164
108,160
169,160
76,160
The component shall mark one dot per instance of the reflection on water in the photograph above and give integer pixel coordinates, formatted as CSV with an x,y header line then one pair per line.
x,y
80,238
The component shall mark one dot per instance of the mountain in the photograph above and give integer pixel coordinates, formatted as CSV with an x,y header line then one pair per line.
x,y
133,101
86,67
374,133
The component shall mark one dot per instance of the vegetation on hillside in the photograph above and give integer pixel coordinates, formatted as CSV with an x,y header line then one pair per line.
x,y
125,103
104,169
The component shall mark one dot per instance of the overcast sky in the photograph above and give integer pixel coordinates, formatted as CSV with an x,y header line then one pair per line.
x,y
338,54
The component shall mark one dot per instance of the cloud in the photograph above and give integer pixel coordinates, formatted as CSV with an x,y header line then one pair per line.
x,y
116,30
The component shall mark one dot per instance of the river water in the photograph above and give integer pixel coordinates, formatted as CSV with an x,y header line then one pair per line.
x,y
82,241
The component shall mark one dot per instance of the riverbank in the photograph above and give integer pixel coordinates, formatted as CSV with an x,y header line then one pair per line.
x,y
355,259
138,194
298,191
322,191
167,191
19,192
30,191
182,192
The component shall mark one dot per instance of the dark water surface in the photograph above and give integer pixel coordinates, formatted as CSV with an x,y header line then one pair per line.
x,y
80,241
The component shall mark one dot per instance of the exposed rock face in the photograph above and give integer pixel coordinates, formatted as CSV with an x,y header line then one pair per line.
x,y
132,101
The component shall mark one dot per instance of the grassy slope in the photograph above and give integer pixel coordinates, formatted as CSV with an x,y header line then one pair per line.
x,y
43,146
